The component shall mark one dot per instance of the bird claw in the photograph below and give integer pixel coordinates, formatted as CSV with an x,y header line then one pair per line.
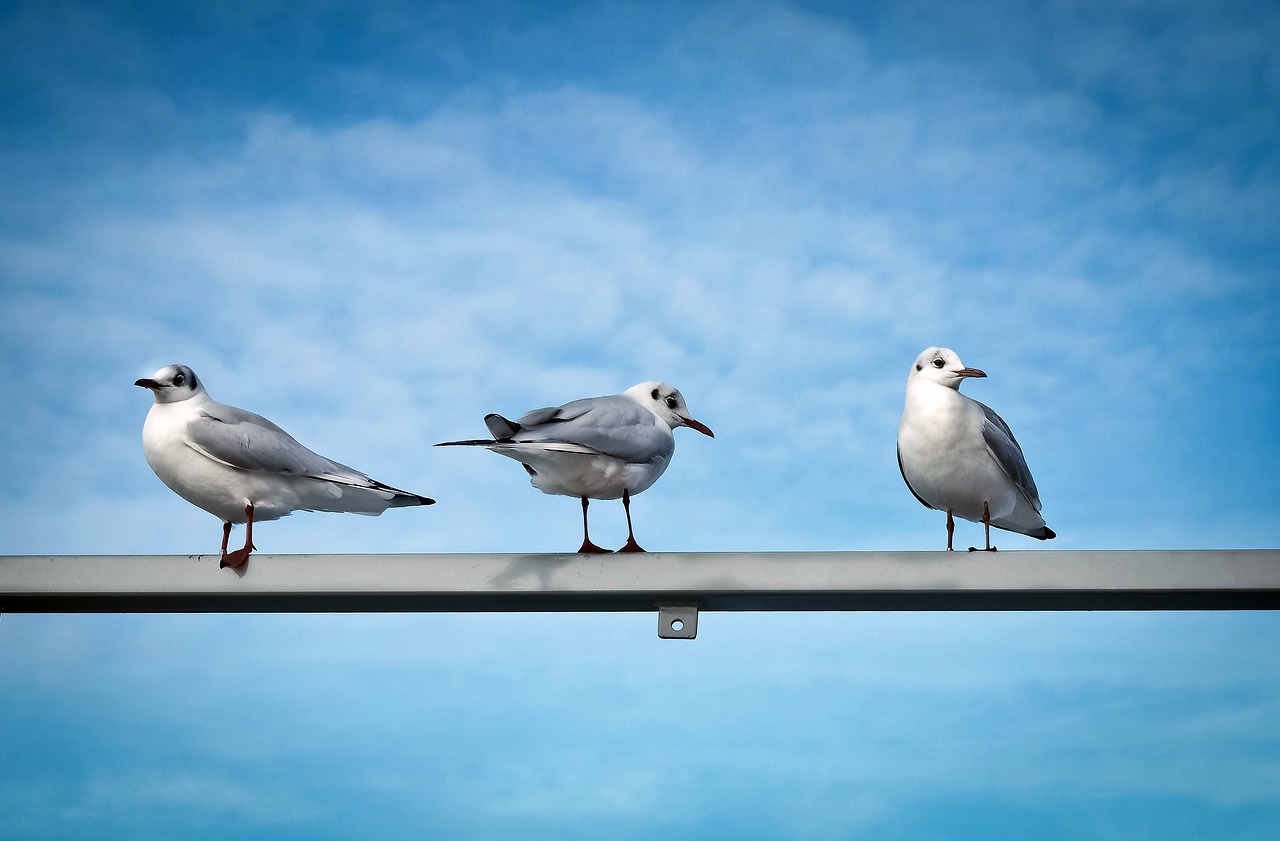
x,y
976,549
589,548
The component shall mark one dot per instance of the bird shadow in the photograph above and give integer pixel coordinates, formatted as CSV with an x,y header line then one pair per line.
x,y
540,569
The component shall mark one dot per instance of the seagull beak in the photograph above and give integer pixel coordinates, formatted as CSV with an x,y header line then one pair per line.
x,y
147,383
970,372
698,425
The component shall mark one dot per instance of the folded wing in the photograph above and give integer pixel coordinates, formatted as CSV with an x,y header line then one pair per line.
x,y
614,426
1005,450
246,441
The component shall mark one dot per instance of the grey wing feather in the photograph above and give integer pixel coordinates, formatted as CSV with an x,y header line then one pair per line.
x,y
541,416
247,441
1004,448
616,426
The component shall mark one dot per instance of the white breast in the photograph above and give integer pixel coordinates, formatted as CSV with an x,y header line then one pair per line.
x,y
945,458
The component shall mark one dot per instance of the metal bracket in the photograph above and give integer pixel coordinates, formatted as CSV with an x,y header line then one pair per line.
x,y
677,621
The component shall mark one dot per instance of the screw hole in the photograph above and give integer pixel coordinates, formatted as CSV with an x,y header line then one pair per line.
x,y
677,624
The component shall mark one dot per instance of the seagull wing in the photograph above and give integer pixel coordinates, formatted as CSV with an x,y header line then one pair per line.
x,y
246,441
615,426
1004,448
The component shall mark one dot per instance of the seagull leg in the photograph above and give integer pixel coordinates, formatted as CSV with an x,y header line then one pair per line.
x,y
986,527
951,529
631,545
588,548
226,535
240,557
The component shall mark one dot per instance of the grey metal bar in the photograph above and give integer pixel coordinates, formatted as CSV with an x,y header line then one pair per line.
x,y
1017,580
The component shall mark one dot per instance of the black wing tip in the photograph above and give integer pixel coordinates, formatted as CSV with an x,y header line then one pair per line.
x,y
501,428
475,442
1046,533
400,498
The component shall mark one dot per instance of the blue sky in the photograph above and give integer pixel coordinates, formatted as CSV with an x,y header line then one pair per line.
x,y
376,222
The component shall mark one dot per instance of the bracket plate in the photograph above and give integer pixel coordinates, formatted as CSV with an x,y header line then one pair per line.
x,y
678,621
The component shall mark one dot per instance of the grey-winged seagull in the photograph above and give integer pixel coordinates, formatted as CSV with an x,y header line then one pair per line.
x,y
241,467
595,448
959,456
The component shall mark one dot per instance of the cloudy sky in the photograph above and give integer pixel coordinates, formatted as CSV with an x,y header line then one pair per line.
x,y
375,222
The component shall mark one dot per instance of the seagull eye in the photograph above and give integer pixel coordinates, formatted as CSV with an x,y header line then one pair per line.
x,y
179,379
671,402
938,363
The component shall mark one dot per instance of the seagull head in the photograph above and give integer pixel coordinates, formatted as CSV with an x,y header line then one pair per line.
x,y
941,366
667,403
172,384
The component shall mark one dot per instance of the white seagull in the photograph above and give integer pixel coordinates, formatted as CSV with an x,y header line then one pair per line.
x,y
959,456
595,448
241,467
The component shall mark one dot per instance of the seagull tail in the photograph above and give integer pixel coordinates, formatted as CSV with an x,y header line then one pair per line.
x,y
1040,532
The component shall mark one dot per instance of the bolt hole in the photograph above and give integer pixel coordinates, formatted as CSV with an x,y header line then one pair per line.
x,y
677,624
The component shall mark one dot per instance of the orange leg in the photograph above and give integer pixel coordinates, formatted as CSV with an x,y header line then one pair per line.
x,y
240,557
986,528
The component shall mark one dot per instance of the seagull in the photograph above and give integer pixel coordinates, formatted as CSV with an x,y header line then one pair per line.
x,y
959,456
595,448
241,467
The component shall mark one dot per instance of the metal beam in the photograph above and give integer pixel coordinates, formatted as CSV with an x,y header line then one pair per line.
x,y
755,581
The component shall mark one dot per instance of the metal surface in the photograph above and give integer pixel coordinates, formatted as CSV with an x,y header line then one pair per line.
x,y
1033,580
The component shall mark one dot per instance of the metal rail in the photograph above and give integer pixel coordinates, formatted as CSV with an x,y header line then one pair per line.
x,y
678,585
